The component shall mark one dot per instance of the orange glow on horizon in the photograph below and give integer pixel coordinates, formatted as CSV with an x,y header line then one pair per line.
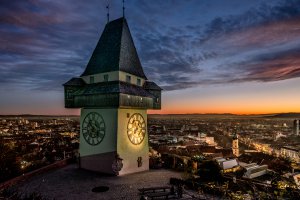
x,y
221,109
245,112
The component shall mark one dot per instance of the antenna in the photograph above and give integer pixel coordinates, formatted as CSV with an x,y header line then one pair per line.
x,y
107,7
123,8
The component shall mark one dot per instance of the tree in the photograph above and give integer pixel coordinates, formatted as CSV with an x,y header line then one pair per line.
x,y
211,171
8,166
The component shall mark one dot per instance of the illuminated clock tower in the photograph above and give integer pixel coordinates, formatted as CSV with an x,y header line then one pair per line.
x,y
114,94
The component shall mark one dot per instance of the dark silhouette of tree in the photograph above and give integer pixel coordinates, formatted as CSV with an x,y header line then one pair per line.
x,y
8,165
210,171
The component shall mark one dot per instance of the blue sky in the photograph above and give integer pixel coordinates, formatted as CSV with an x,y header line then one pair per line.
x,y
209,56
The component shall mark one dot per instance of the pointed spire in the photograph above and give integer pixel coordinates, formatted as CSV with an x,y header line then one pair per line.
x,y
235,136
123,8
115,51
107,8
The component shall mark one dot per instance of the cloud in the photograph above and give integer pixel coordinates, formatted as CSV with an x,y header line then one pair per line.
x,y
44,43
258,45
275,66
254,17
40,48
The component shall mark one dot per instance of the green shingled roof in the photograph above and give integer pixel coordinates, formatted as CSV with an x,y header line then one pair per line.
x,y
149,85
115,51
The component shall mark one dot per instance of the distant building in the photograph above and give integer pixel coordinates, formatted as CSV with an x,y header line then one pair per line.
x,y
230,165
35,125
253,170
235,145
191,128
290,152
210,141
296,178
296,127
278,135
201,135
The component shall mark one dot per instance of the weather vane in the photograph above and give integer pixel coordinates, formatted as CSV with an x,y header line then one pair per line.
x,y
123,8
107,7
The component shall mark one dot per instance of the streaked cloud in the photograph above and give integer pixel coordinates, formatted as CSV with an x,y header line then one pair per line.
x,y
252,46
182,44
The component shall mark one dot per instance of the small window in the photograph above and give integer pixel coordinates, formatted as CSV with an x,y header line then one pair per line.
x,y
138,82
157,100
69,93
128,79
92,79
105,77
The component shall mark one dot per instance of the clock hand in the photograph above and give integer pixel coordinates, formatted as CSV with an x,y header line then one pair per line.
x,y
98,126
89,126
94,127
134,130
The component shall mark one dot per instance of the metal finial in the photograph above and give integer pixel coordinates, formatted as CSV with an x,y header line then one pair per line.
x,y
123,8
107,7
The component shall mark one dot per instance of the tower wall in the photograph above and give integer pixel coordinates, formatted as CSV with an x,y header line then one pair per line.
x,y
109,142
235,147
129,152
101,156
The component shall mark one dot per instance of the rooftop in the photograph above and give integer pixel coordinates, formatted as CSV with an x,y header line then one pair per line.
x,y
294,148
115,51
113,87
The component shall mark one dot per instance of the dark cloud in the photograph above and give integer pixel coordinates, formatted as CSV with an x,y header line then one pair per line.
x,y
274,66
44,43
264,14
173,51
41,46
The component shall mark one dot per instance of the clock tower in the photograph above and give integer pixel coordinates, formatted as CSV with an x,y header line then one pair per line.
x,y
235,145
114,94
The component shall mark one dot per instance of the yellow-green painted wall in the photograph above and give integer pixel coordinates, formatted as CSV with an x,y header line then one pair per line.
x,y
116,139
109,142
122,77
128,151
113,76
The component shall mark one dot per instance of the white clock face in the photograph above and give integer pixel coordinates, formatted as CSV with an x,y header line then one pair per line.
x,y
93,128
136,129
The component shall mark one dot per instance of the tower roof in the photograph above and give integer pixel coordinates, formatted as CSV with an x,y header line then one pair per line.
x,y
115,51
149,85
113,87
235,136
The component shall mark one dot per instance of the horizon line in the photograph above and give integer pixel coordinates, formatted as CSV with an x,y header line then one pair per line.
x,y
26,114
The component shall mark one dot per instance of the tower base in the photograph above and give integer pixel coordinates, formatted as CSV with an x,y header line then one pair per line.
x,y
111,163
116,153
99,163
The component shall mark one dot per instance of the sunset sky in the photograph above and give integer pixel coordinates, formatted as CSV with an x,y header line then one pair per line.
x,y
209,56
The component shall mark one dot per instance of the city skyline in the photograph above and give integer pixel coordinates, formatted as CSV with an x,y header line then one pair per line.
x,y
240,57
